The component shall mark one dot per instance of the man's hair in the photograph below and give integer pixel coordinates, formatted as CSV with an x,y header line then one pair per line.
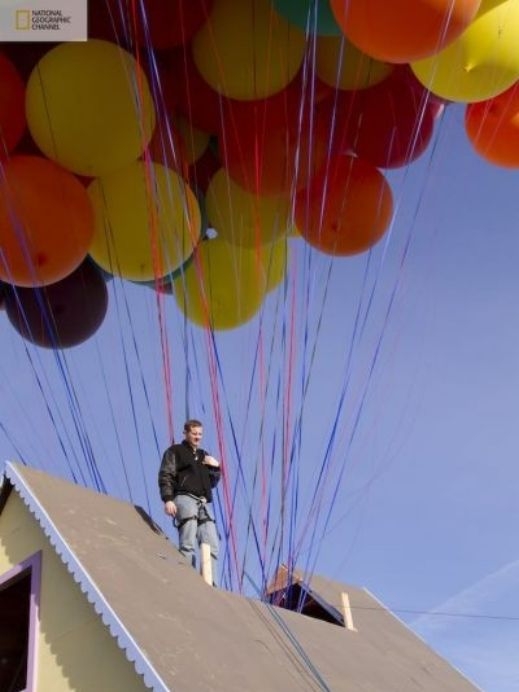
x,y
192,423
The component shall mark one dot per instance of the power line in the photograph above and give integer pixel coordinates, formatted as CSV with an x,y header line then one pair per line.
x,y
439,613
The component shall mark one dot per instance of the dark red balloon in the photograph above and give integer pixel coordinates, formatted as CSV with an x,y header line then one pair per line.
x,y
283,109
26,55
196,100
274,161
159,23
388,125
63,314
12,106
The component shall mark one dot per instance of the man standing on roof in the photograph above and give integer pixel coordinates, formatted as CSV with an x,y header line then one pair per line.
x,y
187,476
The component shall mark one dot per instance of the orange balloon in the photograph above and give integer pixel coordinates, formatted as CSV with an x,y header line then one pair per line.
x,y
493,128
346,208
46,222
402,31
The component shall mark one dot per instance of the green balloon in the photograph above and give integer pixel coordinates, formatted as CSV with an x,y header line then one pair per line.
x,y
314,16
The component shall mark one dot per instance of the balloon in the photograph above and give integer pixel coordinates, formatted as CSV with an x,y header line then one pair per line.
x,y
46,222
147,221
202,170
493,128
199,102
389,124
314,16
223,287
193,141
281,110
25,55
274,258
400,31
482,62
12,106
341,65
63,314
159,23
272,161
246,50
176,144
166,284
346,208
89,107
242,217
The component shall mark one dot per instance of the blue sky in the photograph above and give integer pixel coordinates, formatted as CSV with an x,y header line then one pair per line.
x,y
426,447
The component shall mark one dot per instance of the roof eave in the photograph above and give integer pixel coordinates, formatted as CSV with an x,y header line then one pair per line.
x,y
115,626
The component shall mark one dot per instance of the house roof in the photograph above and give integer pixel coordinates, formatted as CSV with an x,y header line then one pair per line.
x,y
182,634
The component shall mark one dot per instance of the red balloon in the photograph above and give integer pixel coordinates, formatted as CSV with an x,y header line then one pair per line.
x,y
12,106
25,56
196,100
270,146
202,170
272,162
389,124
166,145
160,23
346,208
63,314
283,109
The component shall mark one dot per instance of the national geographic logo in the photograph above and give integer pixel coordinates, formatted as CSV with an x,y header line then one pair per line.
x,y
41,20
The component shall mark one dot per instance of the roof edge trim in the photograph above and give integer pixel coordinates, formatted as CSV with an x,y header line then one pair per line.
x,y
117,629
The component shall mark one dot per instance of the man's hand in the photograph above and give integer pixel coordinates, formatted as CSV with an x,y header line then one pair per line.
x,y
170,508
211,461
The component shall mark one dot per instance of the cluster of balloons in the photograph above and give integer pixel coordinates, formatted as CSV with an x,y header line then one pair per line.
x,y
262,119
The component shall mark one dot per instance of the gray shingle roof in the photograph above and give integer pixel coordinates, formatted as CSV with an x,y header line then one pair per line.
x,y
182,634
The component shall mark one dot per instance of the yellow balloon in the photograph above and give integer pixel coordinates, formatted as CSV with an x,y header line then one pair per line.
x,y
482,62
343,66
275,261
242,217
147,221
246,50
223,287
89,107
195,142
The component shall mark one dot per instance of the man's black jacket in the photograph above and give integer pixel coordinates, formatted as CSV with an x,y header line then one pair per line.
x,y
182,471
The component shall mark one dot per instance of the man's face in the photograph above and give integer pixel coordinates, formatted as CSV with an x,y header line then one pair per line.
x,y
194,436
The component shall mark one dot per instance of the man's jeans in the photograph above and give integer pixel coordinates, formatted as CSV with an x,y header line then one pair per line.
x,y
199,528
